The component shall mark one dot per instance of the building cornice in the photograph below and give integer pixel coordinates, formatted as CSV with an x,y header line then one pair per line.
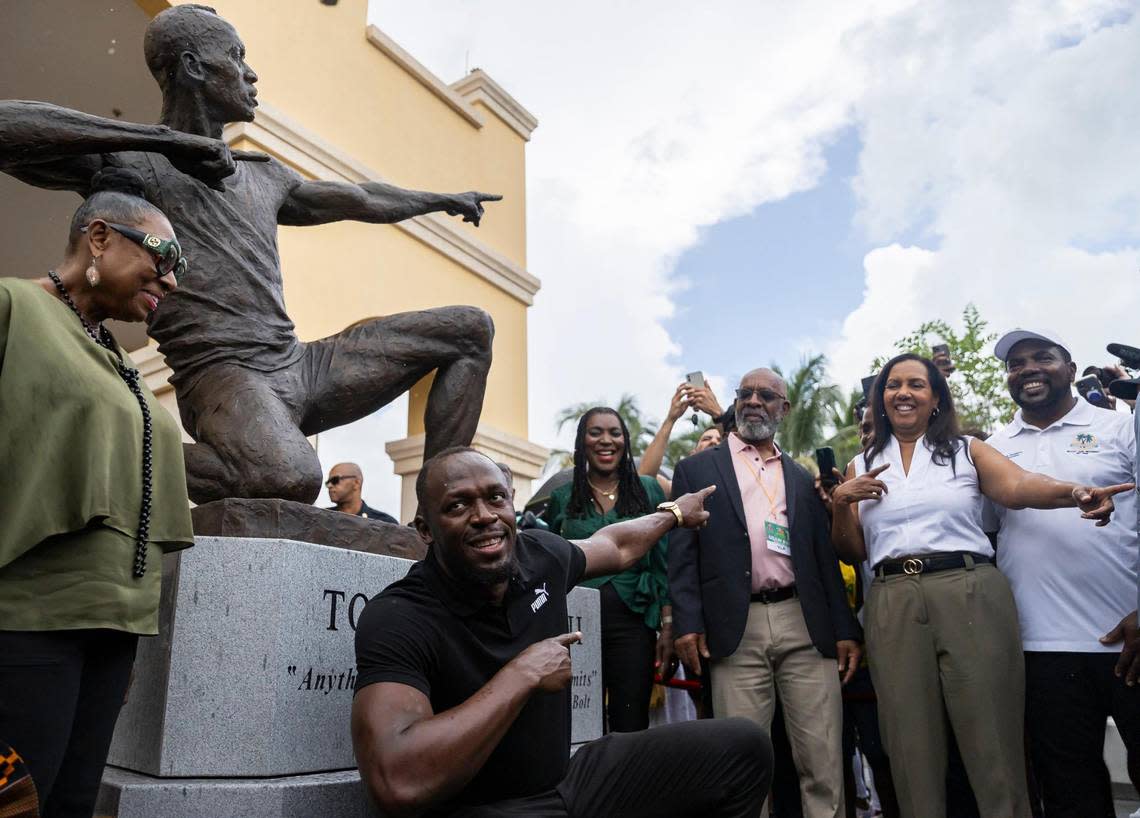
x,y
479,87
152,366
525,459
275,133
391,49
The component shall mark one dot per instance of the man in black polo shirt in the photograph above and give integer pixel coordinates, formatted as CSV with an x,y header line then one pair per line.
x,y
344,485
462,704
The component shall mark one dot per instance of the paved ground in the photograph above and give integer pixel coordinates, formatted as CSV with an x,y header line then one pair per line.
x,y
1123,808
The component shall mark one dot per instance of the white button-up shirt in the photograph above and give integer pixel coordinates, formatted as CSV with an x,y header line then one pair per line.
x,y
935,509
1072,581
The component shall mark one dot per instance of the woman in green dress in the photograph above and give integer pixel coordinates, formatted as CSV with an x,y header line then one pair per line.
x,y
92,492
637,623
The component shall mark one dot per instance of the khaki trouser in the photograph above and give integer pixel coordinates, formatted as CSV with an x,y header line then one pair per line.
x,y
776,654
947,644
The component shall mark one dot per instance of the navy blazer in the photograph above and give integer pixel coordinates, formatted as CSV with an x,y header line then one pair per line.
x,y
710,568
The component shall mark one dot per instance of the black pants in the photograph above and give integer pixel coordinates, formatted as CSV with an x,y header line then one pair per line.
x,y
60,695
960,799
861,730
1068,698
628,654
787,801
716,768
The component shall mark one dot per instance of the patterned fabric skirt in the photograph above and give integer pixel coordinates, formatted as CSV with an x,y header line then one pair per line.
x,y
18,797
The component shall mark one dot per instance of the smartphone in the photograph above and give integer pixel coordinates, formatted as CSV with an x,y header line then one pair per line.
x,y
940,354
1090,388
868,385
697,381
825,459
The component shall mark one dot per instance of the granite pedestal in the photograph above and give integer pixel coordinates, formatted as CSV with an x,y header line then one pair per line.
x,y
319,795
286,520
252,678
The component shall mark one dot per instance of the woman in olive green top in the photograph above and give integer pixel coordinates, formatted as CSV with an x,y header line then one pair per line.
x,y
635,603
92,491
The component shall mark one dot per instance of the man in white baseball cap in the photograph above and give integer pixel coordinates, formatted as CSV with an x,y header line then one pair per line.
x,y
1072,582
1015,336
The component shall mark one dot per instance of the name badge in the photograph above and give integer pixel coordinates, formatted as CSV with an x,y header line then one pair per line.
x,y
778,538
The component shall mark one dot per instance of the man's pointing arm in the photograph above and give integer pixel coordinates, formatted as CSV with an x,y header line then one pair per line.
x,y
617,547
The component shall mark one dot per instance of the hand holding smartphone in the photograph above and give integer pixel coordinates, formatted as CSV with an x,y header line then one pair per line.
x,y
696,380
825,459
940,355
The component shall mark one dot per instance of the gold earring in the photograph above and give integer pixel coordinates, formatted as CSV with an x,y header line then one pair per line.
x,y
93,272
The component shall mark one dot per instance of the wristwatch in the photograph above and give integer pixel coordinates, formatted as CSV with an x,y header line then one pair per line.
x,y
675,510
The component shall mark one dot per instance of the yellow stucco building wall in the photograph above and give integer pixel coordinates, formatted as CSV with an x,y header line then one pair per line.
x,y
340,100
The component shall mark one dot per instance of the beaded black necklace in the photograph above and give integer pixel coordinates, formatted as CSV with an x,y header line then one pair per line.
x,y
102,336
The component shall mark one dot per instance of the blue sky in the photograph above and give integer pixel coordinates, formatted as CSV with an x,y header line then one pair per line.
x,y
791,269
971,152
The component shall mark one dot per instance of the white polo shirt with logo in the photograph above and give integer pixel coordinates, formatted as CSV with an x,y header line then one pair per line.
x,y
1072,580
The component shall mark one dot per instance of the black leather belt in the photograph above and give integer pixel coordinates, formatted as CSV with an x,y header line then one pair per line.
x,y
929,565
775,595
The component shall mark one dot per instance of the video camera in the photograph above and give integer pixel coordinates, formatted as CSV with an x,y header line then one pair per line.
x,y
1125,388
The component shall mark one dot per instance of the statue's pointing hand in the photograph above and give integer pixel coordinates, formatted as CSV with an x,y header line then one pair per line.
x,y
208,160
470,205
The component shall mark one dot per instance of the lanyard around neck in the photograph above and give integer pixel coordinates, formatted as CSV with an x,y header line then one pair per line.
x,y
760,482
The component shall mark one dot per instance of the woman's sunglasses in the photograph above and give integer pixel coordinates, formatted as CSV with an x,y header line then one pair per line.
x,y
167,253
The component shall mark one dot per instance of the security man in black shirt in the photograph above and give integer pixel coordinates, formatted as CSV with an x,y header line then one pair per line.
x,y
344,485
462,703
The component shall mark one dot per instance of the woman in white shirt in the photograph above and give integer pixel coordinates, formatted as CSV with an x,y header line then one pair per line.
x,y
941,626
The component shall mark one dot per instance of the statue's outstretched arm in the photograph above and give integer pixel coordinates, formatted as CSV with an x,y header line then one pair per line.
x,y
50,146
321,202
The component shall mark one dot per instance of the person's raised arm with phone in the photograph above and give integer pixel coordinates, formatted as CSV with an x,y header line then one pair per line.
x,y
654,454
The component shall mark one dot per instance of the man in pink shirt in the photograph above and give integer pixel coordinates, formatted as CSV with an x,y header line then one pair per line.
x,y
758,592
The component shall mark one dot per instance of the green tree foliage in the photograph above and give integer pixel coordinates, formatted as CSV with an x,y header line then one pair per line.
x,y
681,445
812,397
978,383
845,430
822,414
641,429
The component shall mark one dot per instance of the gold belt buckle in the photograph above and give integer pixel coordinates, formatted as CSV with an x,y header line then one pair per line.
x,y
912,566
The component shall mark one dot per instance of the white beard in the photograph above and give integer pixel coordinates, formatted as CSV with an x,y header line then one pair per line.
x,y
756,430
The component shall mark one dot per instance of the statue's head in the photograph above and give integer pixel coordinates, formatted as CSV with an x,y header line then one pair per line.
x,y
190,50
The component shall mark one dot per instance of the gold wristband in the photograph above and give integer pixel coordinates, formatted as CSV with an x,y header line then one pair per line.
x,y
670,506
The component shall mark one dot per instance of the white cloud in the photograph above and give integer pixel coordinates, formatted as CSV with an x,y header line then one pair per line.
x,y
999,139
891,300
656,119
1011,154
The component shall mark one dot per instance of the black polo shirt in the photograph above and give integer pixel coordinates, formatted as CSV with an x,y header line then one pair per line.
x,y
424,631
